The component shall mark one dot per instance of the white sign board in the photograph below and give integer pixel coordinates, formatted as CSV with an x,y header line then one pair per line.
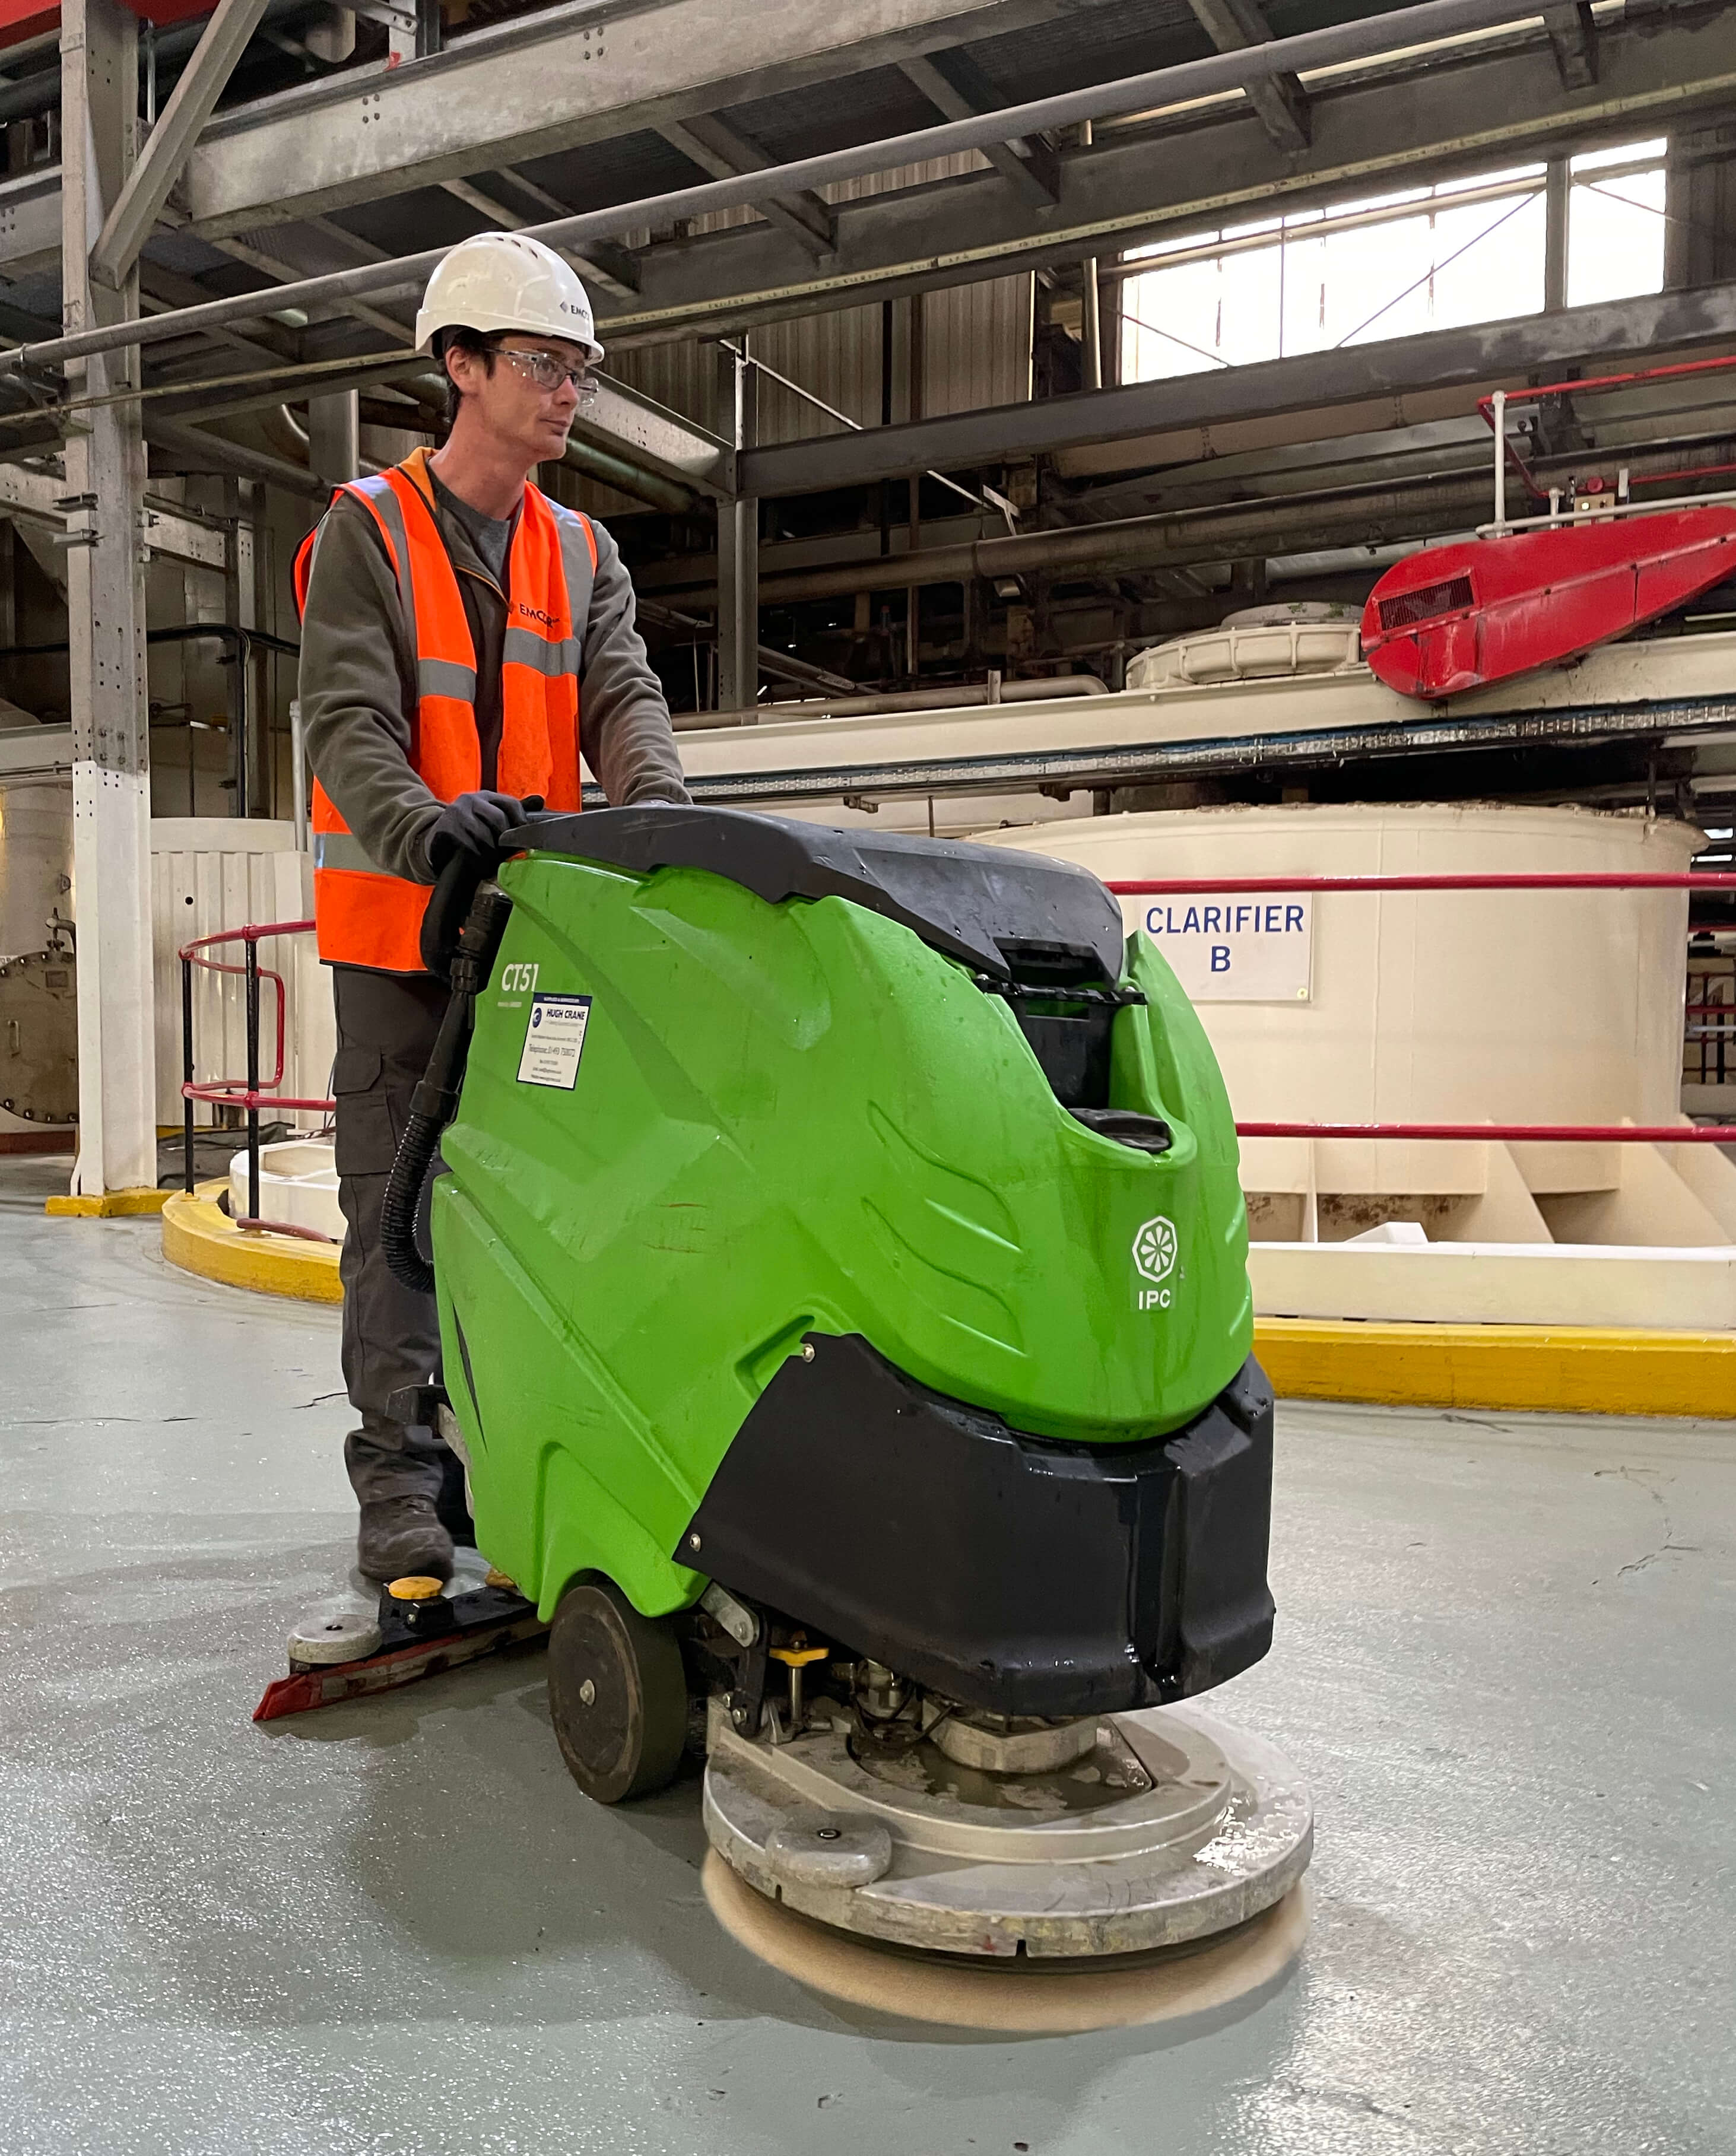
x,y
554,1040
1257,949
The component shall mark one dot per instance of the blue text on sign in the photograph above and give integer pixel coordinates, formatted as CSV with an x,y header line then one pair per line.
x,y
1251,920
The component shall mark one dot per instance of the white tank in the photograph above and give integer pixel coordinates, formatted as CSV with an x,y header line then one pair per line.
x,y
1260,643
39,1016
1525,1007
35,860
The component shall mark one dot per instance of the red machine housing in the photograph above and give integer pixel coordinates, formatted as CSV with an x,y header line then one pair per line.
x,y
1456,617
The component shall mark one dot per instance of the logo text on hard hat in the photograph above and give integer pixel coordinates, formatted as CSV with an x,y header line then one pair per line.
x,y
1155,1250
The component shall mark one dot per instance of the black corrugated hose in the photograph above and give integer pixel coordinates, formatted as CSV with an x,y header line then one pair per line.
x,y
432,1105
462,893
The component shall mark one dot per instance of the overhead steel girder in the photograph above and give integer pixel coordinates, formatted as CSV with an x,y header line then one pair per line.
x,y
136,208
1366,38
1231,24
1609,332
1131,186
545,82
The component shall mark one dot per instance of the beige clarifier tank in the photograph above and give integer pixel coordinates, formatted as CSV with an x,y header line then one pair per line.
x,y
39,1016
1510,1006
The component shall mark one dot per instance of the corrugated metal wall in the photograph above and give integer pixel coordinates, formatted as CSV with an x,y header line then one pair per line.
x,y
208,874
977,341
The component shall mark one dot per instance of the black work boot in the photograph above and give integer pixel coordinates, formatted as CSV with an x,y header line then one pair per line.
x,y
401,1536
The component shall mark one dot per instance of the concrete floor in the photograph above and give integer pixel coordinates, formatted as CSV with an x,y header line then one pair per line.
x,y
1504,1657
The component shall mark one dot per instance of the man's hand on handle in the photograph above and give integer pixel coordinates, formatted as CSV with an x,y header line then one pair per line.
x,y
474,823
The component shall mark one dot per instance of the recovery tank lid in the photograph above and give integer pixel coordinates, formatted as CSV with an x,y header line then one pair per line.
x,y
975,903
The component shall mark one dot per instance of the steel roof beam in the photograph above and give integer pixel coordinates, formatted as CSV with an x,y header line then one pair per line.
x,y
1454,118
1279,99
707,140
136,208
956,86
1340,44
1573,34
1494,351
550,81
612,266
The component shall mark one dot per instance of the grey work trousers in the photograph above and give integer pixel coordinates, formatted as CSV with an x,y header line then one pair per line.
x,y
386,1029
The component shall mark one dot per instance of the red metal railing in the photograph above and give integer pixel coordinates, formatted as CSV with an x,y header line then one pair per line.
x,y
1513,455
250,1093
1516,1133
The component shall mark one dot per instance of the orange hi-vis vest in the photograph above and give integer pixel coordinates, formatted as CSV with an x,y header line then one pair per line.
x,y
364,917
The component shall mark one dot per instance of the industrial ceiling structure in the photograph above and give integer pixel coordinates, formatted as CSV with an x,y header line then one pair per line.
x,y
316,148
861,276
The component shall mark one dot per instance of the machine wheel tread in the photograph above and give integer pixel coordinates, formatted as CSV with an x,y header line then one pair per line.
x,y
624,1739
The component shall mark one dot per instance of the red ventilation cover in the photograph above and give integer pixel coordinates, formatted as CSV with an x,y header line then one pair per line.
x,y
1455,617
1409,607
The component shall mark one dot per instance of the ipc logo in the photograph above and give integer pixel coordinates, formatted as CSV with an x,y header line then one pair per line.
x,y
1154,1253
1154,1249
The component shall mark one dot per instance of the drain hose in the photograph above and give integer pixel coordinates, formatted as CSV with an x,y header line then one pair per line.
x,y
432,1105
463,956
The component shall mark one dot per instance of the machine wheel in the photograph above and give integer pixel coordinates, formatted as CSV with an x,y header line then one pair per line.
x,y
617,1693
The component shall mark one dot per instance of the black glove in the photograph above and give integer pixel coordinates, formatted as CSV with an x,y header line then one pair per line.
x,y
474,823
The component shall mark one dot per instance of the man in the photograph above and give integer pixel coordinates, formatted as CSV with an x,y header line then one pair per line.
x,y
463,638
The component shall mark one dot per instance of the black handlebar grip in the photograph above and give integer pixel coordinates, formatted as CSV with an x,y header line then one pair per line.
x,y
454,893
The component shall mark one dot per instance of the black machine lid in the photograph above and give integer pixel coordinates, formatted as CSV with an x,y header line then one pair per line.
x,y
972,902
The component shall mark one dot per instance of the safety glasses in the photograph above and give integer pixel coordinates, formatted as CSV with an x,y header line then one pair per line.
x,y
549,372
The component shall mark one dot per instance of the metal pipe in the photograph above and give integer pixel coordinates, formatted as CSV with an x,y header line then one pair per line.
x,y
298,775
211,455
1498,404
1507,1133
967,694
584,456
1091,311
190,632
581,454
40,91
1327,517
253,1075
1365,38
1494,880
186,1175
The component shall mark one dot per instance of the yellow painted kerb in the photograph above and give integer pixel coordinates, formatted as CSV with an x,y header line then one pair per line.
x,y
201,1239
1560,1369
1564,1369
108,1205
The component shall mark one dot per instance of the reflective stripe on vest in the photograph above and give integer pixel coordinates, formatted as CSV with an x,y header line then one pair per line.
x,y
367,916
343,849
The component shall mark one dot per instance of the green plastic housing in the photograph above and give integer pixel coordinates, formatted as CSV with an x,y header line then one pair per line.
x,y
788,1119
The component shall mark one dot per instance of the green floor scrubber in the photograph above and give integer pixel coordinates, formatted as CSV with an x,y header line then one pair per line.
x,y
841,1272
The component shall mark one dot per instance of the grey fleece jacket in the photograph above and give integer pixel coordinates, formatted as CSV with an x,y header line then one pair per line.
x,y
358,686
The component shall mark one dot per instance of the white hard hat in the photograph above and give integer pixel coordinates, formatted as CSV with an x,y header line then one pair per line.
x,y
506,280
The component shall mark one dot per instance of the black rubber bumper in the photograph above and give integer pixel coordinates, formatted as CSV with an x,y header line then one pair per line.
x,y
1005,1571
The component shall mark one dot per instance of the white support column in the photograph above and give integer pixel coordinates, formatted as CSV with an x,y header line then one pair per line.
x,y
737,550
252,783
106,619
1557,204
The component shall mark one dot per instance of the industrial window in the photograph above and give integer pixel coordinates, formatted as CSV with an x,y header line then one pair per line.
x,y
1615,224
1390,265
